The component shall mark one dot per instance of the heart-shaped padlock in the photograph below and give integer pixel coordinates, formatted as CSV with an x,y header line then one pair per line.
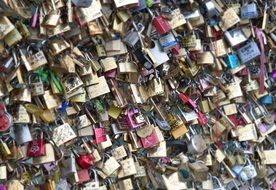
x,y
85,161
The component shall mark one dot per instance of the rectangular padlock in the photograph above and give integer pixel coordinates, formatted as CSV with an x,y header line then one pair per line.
x,y
249,52
235,36
249,11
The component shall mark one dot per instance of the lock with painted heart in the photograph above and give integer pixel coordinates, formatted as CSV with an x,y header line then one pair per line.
x,y
36,147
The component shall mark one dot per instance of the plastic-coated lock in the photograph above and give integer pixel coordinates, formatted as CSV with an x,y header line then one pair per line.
x,y
232,61
266,99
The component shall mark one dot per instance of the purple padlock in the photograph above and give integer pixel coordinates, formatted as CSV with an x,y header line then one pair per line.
x,y
2,187
262,128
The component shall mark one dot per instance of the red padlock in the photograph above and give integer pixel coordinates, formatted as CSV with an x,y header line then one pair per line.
x,y
5,118
187,100
161,25
202,119
85,161
36,147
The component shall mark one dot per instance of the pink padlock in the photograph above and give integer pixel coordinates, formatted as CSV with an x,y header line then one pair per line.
x,y
100,135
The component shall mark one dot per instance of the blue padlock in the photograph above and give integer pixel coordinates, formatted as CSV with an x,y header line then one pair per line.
x,y
266,99
249,11
232,61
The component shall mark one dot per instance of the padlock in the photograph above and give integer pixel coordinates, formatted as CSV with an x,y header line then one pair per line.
x,y
148,136
119,152
125,184
128,168
199,170
168,41
95,184
235,36
110,166
33,58
220,185
22,134
179,130
83,176
229,19
36,85
52,18
232,61
133,36
13,37
208,184
249,52
5,118
178,19
249,11
48,157
211,9
4,149
266,99
161,25
69,166
85,161
99,133
62,133
36,147
269,155
248,171
197,144
82,3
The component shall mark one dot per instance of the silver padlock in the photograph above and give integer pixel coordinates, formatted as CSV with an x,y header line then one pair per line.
x,y
249,52
94,185
211,9
22,134
36,85
134,35
82,3
196,145
70,166
235,36
220,186
248,171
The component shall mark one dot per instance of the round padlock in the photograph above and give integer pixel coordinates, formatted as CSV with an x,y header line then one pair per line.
x,y
5,119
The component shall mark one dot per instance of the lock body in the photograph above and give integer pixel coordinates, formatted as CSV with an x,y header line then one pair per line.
x,y
249,11
232,61
85,161
161,25
249,52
